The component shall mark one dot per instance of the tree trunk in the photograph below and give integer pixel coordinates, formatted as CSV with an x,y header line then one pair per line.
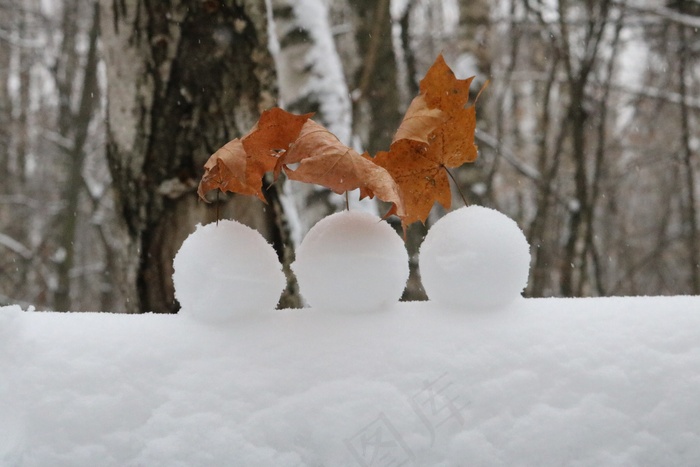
x,y
184,78
22,144
311,79
77,124
690,205
578,74
376,114
5,105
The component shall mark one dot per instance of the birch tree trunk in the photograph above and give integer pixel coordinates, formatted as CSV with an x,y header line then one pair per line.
x,y
311,79
184,77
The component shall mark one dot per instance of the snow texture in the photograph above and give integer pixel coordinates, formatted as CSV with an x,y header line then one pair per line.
x,y
474,258
545,382
224,270
351,261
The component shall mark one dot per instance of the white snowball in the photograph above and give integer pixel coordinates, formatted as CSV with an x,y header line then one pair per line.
x,y
226,270
474,257
351,261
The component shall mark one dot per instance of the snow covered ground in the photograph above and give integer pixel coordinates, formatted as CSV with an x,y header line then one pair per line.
x,y
542,382
532,382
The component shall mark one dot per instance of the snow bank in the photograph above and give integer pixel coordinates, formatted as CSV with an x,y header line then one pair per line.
x,y
542,382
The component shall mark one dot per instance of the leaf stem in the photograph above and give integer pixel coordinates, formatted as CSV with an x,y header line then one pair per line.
x,y
466,203
217,207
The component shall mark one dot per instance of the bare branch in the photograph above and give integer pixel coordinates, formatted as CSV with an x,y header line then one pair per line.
x,y
666,14
15,246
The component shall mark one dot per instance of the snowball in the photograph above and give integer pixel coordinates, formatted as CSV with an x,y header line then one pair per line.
x,y
226,270
351,261
474,257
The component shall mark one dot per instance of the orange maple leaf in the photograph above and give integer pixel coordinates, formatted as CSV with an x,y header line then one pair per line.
x,y
239,166
322,159
271,137
436,133
225,170
426,144
420,121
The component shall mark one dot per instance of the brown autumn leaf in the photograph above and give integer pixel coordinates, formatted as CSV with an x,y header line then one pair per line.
x,y
225,170
436,133
418,158
322,159
442,89
422,180
239,166
419,121
454,140
276,130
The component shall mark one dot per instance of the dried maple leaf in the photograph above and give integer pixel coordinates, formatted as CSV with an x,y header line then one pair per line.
x,y
419,121
436,133
454,139
421,153
442,89
322,159
422,179
225,170
239,166
270,137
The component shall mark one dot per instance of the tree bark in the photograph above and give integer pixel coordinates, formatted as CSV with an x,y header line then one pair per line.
x,y
311,79
22,144
5,110
77,124
376,112
578,73
690,203
184,77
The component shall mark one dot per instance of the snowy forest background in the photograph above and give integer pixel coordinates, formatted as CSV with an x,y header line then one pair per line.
x,y
587,132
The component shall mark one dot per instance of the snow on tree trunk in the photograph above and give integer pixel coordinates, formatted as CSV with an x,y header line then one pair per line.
x,y
310,70
311,79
